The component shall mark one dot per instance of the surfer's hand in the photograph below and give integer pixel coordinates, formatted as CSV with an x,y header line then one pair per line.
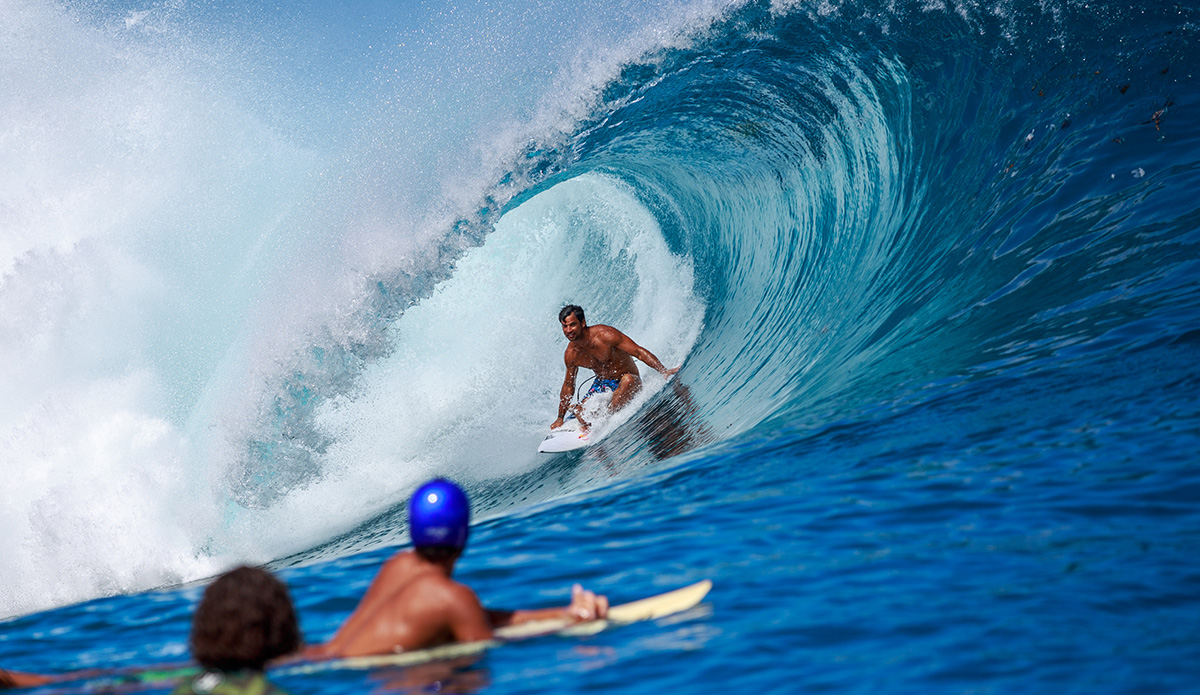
x,y
557,423
586,605
670,372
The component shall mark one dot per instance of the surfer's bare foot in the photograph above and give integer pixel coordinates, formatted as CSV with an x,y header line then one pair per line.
x,y
578,410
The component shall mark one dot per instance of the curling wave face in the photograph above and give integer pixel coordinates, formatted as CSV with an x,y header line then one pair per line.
x,y
818,210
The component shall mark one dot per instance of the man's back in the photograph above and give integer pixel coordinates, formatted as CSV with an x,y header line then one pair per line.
x,y
414,604
410,605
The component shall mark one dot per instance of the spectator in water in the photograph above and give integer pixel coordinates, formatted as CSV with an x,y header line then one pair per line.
x,y
413,603
245,619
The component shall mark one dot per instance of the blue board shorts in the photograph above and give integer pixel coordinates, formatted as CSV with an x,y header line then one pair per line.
x,y
603,386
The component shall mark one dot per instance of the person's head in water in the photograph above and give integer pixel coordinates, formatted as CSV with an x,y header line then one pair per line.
x,y
244,620
439,519
573,323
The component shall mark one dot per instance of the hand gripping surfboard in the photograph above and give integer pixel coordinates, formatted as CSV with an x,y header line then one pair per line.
x,y
650,608
566,438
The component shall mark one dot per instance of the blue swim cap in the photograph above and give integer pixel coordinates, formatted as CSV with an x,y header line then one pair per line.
x,y
439,514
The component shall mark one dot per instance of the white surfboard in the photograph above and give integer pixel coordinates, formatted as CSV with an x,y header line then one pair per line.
x,y
651,608
566,438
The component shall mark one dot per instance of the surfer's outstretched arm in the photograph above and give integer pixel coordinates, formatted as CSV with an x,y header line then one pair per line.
x,y
625,344
585,605
17,679
565,394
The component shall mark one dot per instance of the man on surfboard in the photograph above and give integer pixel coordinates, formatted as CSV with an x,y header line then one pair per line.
x,y
607,352
414,604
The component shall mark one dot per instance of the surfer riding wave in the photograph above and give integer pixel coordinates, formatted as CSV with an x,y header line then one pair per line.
x,y
609,353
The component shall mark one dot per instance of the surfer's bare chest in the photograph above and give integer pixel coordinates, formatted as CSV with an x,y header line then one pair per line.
x,y
591,356
606,360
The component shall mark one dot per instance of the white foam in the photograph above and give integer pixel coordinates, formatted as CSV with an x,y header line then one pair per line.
x,y
163,252
133,199
473,384
96,498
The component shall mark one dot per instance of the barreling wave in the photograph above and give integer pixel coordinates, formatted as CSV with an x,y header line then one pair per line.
x,y
817,209
868,217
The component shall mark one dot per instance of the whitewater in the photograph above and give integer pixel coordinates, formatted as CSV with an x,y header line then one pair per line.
x,y
930,270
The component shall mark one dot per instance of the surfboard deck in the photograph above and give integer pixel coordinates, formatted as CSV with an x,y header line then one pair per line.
x,y
651,608
564,439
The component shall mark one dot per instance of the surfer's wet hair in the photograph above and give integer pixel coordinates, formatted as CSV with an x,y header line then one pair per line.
x,y
245,619
571,309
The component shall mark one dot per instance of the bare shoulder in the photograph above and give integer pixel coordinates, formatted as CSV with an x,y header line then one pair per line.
x,y
440,594
438,588
463,596
396,570
606,334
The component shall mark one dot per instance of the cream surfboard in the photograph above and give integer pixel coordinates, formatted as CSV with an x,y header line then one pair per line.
x,y
651,608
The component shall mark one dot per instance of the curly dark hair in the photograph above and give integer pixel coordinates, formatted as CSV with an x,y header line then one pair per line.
x,y
571,309
245,619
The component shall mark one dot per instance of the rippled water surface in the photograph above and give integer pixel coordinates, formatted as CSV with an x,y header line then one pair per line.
x,y
932,272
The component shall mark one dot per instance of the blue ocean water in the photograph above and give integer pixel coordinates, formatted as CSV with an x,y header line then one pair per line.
x,y
931,271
